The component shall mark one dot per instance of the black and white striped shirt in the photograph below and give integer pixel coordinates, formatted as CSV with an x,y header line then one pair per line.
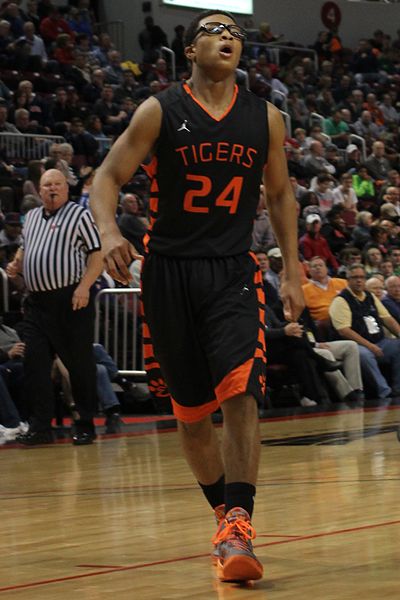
x,y
56,246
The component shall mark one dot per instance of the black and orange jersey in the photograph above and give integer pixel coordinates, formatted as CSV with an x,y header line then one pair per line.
x,y
206,174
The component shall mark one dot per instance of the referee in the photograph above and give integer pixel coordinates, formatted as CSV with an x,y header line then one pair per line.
x,y
60,259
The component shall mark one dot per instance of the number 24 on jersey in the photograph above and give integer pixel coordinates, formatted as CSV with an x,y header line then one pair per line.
x,y
228,198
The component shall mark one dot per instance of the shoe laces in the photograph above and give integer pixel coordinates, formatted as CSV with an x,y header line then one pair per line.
x,y
238,532
219,513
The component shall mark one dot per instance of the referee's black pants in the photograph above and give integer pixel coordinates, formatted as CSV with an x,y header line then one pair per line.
x,y
52,327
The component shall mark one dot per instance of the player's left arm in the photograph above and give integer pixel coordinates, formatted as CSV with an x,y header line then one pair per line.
x,y
281,206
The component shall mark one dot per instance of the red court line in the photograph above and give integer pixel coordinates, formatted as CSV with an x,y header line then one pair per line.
x,y
276,535
328,533
99,566
106,570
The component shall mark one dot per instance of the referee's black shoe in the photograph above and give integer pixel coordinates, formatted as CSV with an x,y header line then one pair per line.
x,y
35,438
84,433
83,438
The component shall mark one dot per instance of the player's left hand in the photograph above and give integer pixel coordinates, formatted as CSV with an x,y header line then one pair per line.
x,y
80,297
292,297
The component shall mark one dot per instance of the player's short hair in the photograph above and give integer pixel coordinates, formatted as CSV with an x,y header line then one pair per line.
x,y
194,25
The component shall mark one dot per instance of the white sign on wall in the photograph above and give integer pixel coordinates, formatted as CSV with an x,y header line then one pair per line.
x,y
244,7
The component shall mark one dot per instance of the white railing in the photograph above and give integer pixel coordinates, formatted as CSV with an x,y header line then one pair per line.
x,y
359,141
104,143
166,50
326,137
288,122
275,51
4,289
116,327
319,118
116,324
24,146
277,94
321,122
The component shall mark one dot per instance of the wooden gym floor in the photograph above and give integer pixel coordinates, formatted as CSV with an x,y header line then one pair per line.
x,y
124,519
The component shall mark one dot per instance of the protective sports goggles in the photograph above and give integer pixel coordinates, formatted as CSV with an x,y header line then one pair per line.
x,y
217,28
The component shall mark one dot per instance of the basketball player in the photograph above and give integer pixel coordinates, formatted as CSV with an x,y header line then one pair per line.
x,y
202,289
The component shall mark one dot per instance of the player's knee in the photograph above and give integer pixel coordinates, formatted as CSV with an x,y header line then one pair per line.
x,y
198,429
239,407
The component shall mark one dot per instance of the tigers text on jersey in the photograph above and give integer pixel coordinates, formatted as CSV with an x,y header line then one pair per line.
x,y
206,175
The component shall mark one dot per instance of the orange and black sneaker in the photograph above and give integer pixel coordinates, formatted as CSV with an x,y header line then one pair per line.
x,y
234,550
219,513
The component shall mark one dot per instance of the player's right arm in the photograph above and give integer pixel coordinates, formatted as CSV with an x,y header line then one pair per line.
x,y
282,212
124,158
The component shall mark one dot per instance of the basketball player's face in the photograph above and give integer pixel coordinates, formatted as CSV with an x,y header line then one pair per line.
x,y
220,50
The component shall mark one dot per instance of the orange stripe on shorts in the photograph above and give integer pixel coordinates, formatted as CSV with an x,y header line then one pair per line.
x,y
191,414
235,382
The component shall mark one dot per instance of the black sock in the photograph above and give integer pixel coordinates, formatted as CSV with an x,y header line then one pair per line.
x,y
215,493
113,410
239,494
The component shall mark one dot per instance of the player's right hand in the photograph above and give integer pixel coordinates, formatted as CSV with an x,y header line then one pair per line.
x,y
118,254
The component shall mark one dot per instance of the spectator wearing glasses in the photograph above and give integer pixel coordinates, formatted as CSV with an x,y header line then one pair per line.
x,y
358,315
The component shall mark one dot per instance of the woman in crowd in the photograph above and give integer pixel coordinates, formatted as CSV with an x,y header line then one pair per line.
x,y
372,261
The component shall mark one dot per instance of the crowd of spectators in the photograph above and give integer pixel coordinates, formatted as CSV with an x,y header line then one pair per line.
x,y
343,160
62,76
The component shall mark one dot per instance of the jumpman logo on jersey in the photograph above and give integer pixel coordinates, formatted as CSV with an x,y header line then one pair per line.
x,y
184,126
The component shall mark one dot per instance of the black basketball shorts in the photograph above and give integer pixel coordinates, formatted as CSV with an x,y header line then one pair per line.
x,y
204,332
